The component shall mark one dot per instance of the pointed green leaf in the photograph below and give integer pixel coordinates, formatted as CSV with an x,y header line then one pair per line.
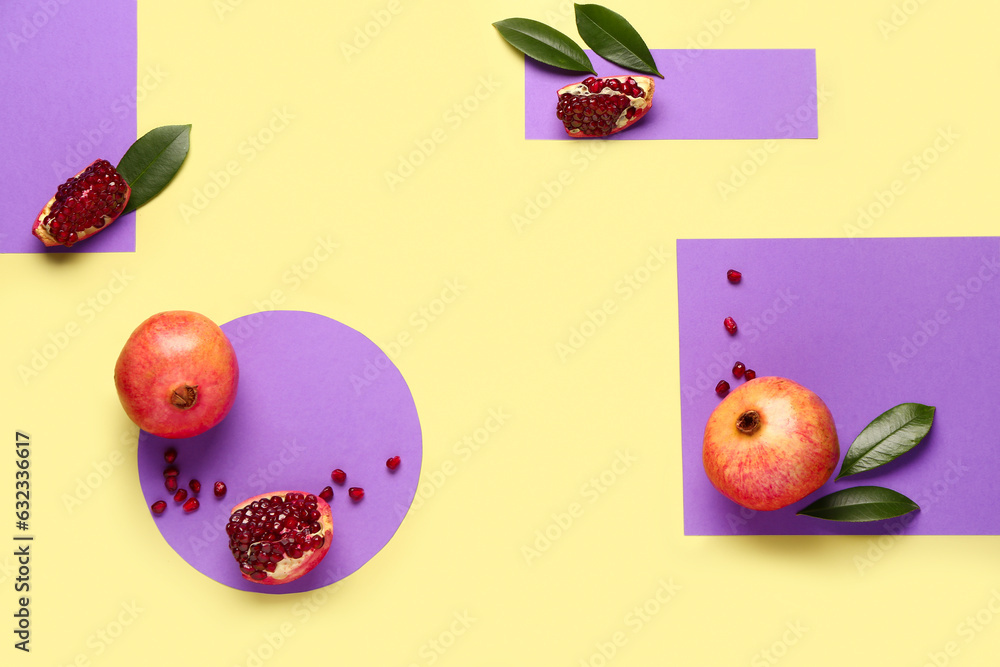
x,y
860,503
614,38
151,162
544,44
894,432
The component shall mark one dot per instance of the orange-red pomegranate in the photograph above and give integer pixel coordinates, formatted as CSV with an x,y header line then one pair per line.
x,y
770,443
177,374
278,537
598,107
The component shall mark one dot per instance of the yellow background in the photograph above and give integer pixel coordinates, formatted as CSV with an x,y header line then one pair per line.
x,y
456,586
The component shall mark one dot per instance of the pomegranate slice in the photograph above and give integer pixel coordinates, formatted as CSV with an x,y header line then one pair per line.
x,y
83,205
278,537
597,107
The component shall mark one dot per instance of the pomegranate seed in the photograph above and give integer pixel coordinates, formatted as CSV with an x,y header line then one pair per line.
x,y
722,388
180,495
158,507
750,374
356,493
392,463
734,276
730,325
170,471
738,369
220,489
338,476
327,493
170,455
191,505
170,483
195,486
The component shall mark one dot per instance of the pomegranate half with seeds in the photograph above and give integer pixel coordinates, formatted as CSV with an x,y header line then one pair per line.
x,y
177,375
278,537
83,205
598,107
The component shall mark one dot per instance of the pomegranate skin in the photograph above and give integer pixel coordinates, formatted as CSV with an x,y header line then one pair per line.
x,y
177,374
291,569
770,443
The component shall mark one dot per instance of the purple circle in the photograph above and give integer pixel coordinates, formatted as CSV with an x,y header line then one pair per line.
x,y
313,395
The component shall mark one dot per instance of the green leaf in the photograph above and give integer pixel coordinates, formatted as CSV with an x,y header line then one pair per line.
x,y
151,162
544,44
614,38
894,432
860,503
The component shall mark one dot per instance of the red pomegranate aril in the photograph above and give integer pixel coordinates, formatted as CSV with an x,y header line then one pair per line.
x,y
730,325
170,455
171,471
356,493
195,486
191,505
327,493
158,506
722,388
170,483
180,495
392,463
219,489
733,276
338,476
750,374
738,369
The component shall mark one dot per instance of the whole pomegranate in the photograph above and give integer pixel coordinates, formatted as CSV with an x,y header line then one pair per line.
x,y
770,443
82,206
597,107
278,537
177,374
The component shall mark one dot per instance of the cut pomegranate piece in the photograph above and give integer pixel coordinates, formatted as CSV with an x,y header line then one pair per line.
x,y
278,537
598,107
83,205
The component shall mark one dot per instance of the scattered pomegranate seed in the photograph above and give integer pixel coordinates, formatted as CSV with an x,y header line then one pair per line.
x,y
356,493
738,369
191,505
170,471
170,455
170,483
180,495
734,276
722,388
158,507
195,486
327,493
219,489
338,476
750,374
730,325
392,463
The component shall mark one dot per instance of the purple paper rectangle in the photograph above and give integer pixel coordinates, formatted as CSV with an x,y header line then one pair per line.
x,y
704,94
867,324
69,98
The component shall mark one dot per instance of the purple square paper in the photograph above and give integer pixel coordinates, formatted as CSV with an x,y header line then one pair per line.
x,y
704,94
67,101
867,324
